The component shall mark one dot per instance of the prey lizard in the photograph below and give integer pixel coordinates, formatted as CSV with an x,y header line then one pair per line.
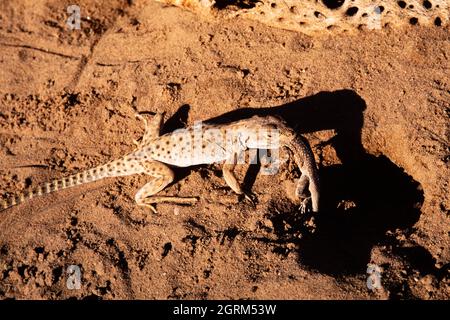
x,y
155,155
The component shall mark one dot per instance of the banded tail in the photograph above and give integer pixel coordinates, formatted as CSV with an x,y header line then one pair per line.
x,y
111,169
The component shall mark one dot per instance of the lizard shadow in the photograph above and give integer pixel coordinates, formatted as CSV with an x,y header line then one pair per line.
x,y
362,198
363,202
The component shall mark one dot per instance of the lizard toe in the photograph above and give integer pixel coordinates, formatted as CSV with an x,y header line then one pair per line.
x,y
249,197
305,206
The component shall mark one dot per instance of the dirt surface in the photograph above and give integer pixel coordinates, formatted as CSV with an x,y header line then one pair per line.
x,y
374,106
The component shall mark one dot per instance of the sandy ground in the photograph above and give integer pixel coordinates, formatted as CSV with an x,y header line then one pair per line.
x,y
374,105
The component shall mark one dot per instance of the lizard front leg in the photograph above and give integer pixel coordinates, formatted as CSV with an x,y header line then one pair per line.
x,y
162,176
230,178
152,128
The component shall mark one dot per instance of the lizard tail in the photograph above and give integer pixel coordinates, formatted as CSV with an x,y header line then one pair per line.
x,y
111,169
304,157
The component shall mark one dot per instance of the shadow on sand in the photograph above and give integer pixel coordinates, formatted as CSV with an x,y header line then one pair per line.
x,y
382,196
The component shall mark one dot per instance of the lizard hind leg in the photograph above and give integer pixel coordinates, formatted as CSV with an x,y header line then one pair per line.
x,y
162,176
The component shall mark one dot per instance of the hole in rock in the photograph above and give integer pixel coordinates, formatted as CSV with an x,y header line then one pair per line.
x,y
333,4
351,11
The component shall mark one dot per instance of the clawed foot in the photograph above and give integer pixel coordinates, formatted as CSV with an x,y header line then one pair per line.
x,y
150,203
305,206
151,207
250,197
136,143
140,117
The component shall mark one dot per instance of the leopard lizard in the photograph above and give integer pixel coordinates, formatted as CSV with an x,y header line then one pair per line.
x,y
155,155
